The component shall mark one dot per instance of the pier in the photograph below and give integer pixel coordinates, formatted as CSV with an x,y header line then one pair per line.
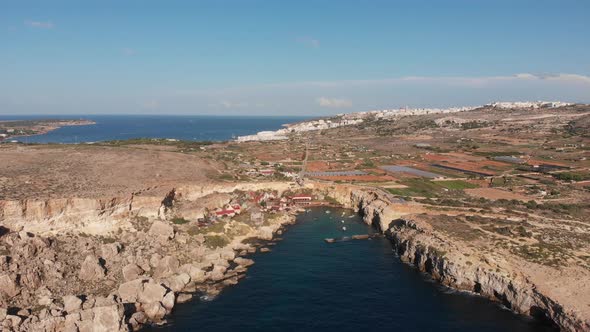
x,y
353,237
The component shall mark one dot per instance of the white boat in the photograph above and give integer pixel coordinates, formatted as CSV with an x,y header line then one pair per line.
x,y
343,228
328,211
342,221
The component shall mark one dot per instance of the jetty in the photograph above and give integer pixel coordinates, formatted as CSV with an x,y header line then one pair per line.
x,y
353,237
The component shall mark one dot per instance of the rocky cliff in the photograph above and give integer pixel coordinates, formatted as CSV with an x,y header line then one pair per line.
x,y
418,244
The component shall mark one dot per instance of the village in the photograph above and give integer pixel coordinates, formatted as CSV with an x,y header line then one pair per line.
x,y
252,207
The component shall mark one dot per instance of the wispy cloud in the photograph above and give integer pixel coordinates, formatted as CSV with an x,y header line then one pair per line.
x,y
334,102
308,41
523,79
39,24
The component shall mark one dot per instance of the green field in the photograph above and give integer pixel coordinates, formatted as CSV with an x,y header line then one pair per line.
x,y
456,184
429,189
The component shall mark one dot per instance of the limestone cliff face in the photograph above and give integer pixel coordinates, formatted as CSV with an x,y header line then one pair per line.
x,y
420,247
377,207
93,216
417,244
105,214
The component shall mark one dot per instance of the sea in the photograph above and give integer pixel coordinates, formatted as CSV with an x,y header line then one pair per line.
x,y
306,284
121,127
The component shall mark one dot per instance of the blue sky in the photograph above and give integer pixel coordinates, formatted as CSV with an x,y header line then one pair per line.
x,y
287,57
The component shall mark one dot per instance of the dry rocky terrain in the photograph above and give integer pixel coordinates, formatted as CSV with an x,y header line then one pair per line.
x,y
105,237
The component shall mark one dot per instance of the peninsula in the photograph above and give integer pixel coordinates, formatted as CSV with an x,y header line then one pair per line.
x,y
10,129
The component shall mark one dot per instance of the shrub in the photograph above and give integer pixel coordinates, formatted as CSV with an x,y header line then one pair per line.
x,y
216,241
179,221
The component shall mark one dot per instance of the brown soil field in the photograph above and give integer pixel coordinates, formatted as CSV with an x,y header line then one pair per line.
x,y
494,194
363,178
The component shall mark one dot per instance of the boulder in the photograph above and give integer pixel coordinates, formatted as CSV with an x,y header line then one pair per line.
x,y
137,320
217,273
155,259
152,292
12,321
72,303
131,272
154,311
168,301
166,266
91,269
129,291
111,250
178,282
184,297
265,233
222,262
109,318
9,286
197,274
45,301
245,262
227,254
163,231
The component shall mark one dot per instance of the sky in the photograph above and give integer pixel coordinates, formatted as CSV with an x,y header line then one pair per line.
x,y
287,57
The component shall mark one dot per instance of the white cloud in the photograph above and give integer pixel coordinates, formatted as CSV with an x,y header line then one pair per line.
x,y
334,102
40,24
308,41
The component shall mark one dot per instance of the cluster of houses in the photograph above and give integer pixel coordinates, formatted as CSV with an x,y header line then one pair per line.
x,y
262,202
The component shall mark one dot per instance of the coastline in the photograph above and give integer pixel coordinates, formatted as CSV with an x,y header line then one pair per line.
x,y
52,126
417,244
173,282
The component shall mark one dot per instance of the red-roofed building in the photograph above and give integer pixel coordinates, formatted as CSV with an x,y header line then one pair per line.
x,y
302,199
225,212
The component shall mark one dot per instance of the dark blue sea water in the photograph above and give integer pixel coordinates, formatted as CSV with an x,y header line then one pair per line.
x,y
119,127
305,284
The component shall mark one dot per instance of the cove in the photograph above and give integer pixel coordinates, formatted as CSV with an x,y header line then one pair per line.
x,y
306,284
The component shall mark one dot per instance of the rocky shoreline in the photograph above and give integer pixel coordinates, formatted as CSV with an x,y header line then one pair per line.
x,y
417,244
150,286
76,281
123,282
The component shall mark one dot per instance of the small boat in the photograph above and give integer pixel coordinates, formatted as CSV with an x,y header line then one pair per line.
x,y
343,228
328,212
342,221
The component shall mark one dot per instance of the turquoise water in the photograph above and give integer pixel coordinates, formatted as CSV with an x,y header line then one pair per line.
x,y
120,127
305,284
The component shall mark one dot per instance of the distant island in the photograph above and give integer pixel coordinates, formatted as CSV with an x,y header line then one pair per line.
x,y
17,128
